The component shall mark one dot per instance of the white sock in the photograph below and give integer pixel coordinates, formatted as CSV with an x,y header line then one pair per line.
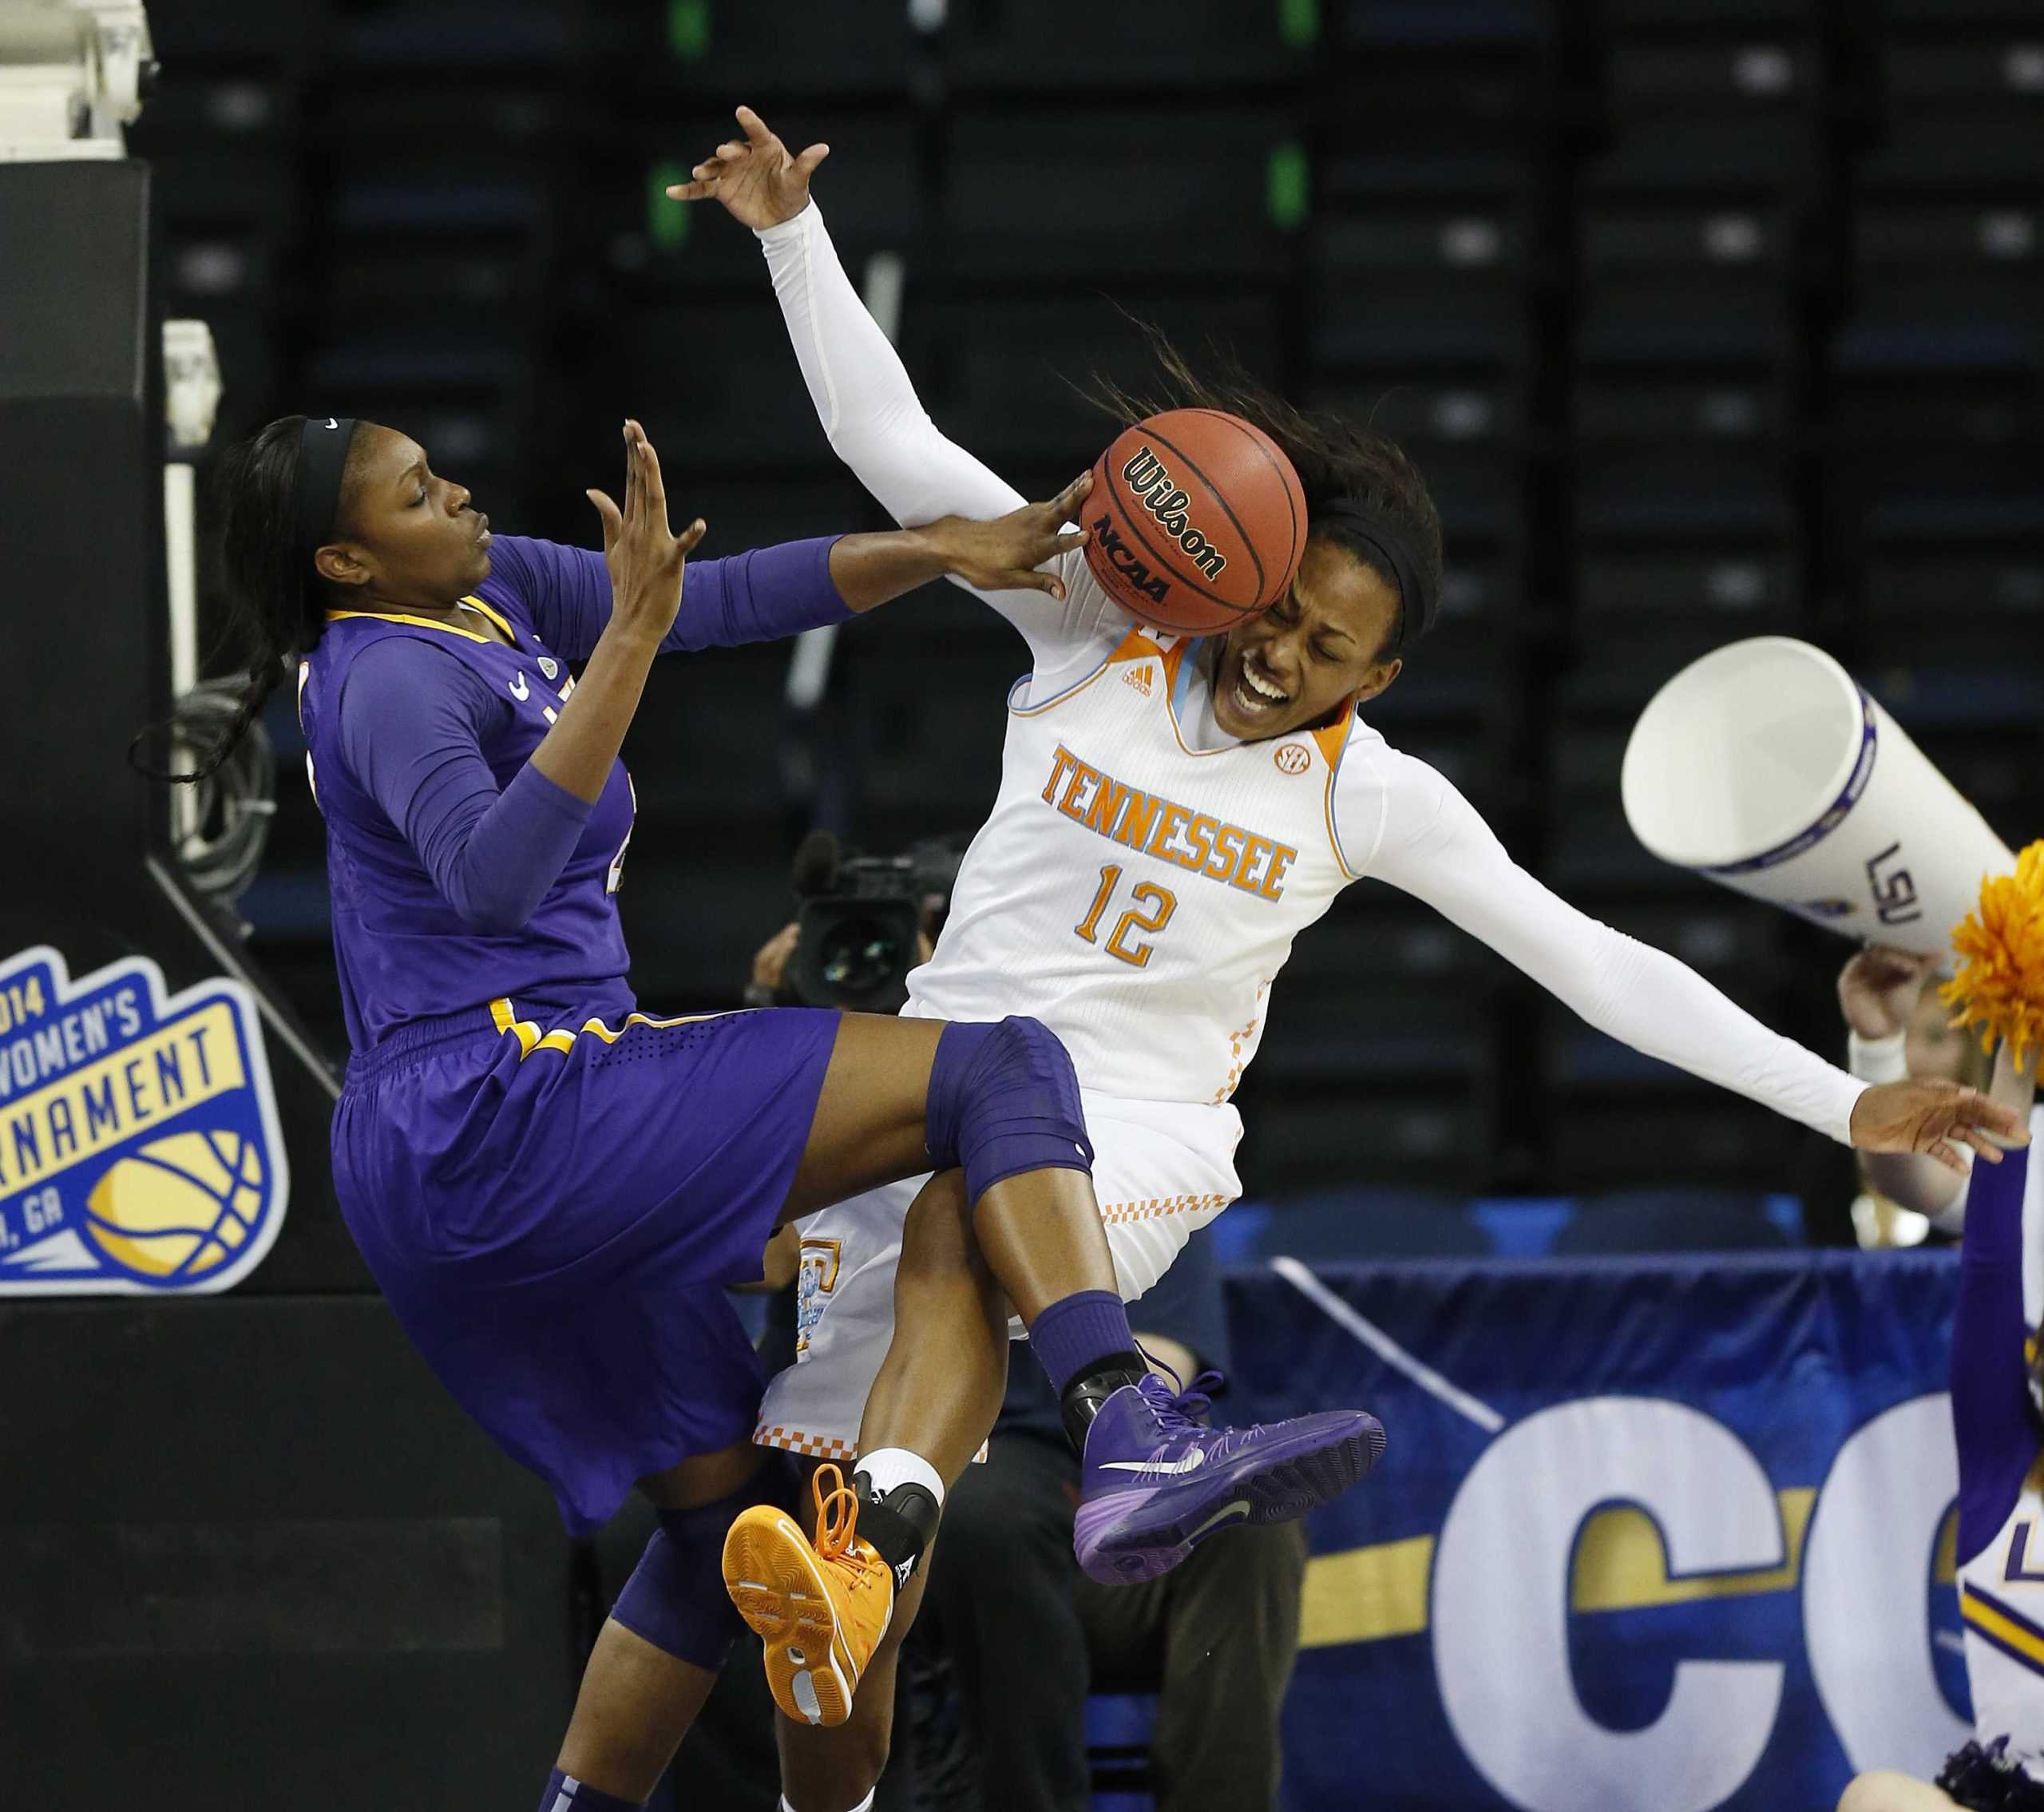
x,y
864,1805
887,1467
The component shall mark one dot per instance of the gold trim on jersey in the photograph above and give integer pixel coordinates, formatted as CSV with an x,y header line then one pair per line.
x,y
503,623
530,1038
416,622
2014,1635
474,604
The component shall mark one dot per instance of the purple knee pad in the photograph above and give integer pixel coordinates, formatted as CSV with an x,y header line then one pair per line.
x,y
1003,1099
676,1597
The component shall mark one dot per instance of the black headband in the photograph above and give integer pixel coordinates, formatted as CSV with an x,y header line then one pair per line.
x,y
323,456
1418,605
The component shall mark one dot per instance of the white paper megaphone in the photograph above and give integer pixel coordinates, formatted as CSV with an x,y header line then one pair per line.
x,y
1764,766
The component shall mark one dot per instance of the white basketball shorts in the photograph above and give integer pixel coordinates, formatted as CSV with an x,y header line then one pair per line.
x,y
1161,1170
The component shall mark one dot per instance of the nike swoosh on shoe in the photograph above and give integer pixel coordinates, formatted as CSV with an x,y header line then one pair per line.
x,y
1190,1462
1237,1512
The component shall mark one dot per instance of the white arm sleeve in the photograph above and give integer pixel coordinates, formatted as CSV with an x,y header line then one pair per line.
x,y
877,426
1425,839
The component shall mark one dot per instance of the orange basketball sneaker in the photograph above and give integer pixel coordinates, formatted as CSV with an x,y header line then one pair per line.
x,y
820,1609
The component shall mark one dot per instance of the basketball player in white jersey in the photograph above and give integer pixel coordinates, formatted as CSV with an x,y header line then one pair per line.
x,y
1172,814
2000,1439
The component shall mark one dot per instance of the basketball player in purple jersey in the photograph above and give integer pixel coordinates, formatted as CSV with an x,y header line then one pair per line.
x,y
553,1189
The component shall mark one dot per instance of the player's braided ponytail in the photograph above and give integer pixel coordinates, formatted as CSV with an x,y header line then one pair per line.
x,y
275,595
1336,459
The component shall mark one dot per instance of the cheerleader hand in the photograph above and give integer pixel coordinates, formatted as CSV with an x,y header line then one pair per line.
x,y
754,177
1934,1118
1879,989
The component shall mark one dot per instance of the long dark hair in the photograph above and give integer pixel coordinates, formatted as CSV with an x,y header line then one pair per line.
x,y
1335,459
277,601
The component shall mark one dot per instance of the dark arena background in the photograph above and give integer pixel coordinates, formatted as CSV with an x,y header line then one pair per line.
x,y
1706,320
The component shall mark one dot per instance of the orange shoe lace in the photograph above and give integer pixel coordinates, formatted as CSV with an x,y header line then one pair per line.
x,y
837,1518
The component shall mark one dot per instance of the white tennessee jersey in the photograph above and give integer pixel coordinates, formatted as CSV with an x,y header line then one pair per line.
x,y
2001,1597
1137,894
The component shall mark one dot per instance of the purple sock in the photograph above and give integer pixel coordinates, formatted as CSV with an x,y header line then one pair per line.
x,y
565,1794
1077,1334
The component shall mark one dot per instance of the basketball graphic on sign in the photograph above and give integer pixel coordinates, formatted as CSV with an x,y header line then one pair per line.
x,y
140,1151
180,1209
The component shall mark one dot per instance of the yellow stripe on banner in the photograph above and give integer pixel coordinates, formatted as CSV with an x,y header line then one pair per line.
x,y
1989,1621
1367,1594
1621,1564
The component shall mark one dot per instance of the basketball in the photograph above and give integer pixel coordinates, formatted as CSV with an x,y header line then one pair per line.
x,y
179,1208
1197,521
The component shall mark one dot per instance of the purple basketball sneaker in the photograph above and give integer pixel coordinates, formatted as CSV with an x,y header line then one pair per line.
x,y
1156,1481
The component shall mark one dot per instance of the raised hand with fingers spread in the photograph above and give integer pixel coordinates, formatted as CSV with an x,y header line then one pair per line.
x,y
754,176
644,555
1935,1119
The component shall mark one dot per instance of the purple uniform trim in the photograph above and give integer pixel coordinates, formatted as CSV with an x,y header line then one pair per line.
x,y
762,596
1996,1429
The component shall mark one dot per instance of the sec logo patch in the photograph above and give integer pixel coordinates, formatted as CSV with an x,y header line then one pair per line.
x,y
1291,759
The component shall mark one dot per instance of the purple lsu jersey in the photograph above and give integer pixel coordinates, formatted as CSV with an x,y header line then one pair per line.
x,y
403,950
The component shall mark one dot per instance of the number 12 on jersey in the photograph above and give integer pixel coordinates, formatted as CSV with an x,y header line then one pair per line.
x,y
1151,913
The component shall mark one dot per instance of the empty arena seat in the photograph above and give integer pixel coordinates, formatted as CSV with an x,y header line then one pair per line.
x,y
1299,1138
460,36
728,50
1022,200
1004,374
1059,46
1736,71
1480,62
1364,1222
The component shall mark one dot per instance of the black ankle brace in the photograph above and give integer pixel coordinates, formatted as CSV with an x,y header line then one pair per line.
x,y
1082,1396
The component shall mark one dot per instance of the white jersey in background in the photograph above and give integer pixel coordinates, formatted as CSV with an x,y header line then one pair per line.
x,y
1142,877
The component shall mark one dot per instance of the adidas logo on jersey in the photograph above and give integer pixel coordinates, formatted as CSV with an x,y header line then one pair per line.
x,y
1139,677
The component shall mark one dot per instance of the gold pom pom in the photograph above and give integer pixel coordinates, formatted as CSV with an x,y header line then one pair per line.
x,y
1999,985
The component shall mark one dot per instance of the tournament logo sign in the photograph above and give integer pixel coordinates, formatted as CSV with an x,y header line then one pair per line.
x,y
139,1145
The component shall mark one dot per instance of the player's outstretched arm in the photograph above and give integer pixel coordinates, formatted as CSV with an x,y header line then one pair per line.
x,y
869,408
1430,842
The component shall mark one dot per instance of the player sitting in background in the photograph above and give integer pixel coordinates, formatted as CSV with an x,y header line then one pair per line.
x,y
1172,815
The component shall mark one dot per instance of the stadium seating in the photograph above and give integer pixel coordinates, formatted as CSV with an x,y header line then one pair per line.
x,y
1701,316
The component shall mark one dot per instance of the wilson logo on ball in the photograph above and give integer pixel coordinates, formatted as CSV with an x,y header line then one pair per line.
x,y
1150,481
